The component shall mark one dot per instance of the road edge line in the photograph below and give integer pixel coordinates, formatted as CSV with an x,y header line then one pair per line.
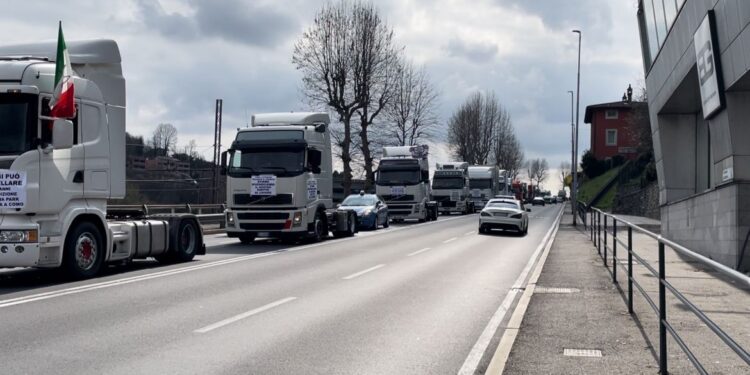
x,y
500,358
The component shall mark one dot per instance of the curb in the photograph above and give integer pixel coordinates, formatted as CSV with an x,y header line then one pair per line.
x,y
500,358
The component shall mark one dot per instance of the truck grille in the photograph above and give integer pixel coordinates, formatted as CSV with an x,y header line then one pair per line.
x,y
398,198
262,226
400,209
262,199
263,216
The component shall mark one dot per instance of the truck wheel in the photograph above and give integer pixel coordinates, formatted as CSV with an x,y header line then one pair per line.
x,y
186,243
320,227
83,254
247,238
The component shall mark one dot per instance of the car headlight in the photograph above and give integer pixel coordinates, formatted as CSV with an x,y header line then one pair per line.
x,y
516,216
29,235
367,212
484,213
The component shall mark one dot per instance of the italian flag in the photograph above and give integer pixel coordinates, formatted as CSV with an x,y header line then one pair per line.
x,y
63,102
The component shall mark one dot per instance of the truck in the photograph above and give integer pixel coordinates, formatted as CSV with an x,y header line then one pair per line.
x,y
450,188
483,182
503,183
403,181
279,174
57,175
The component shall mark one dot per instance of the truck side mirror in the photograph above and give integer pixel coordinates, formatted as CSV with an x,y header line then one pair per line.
x,y
314,159
223,169
320,128
62,134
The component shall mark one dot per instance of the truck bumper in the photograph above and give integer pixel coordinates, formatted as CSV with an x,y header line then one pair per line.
x,y
405,211
23,254
266,223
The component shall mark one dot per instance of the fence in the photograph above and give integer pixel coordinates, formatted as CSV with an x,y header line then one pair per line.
x,y
206,213
600,235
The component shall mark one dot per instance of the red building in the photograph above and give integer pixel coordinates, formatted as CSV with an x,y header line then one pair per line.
x,y
612,127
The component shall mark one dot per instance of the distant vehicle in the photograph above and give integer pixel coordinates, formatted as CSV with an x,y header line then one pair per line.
x,y
371,210
504,214
403,180
483,181
538,201
548,199
501,196
450,188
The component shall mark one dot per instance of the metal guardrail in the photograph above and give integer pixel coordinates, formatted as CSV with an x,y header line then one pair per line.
x,y
600,235
206,213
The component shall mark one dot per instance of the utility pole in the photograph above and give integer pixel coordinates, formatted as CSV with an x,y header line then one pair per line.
x,y
215,196
572,142
574,167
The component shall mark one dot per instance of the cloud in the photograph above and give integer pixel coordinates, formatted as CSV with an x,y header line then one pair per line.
x,y
476,52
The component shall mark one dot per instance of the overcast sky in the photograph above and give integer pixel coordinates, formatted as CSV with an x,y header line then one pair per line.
x,y
180,55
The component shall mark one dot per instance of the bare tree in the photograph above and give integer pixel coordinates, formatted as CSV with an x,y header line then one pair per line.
x,y
506,149
564,172
542,171
164,139
411,115
471,129
532,166
326,56
376,65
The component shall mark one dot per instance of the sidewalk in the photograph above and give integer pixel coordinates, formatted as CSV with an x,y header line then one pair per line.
x,y
593,315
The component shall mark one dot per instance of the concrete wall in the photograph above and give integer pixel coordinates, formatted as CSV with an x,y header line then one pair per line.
x,y
699,209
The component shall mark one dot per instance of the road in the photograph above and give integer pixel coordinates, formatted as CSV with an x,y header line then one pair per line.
x,y
415,298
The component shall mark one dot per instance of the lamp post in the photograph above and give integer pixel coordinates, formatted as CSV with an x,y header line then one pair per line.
x,y
574,168
572,141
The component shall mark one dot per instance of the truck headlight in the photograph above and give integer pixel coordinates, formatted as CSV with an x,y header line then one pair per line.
x,y
230,219
297,220
28,235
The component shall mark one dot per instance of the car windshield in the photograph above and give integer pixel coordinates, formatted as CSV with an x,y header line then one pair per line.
x,y
398,177
280,162
503,205
447,183
17,123
483,183
359,200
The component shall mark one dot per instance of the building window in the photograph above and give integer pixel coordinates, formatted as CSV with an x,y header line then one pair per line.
x,y
611,114
611,137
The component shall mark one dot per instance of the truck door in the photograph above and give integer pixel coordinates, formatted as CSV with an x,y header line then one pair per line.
x,y
95,140
60,171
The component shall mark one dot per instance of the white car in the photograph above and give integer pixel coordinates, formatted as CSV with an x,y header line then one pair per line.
x,y
504,214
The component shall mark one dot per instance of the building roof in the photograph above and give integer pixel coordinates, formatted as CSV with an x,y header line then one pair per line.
x,y
612,105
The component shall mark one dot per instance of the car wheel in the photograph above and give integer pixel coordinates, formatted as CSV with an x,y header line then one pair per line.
x,y
386,223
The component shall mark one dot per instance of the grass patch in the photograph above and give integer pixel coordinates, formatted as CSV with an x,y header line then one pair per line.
x,y
591,187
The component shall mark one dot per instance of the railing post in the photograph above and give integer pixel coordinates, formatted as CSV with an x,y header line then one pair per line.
x,y
599,232
605,241
662,314
614,250
630,269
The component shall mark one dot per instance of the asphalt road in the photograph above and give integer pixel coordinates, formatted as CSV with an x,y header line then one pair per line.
x,y
415,298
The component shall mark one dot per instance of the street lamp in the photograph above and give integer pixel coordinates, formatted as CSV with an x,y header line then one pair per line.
x,y
572,141
574,168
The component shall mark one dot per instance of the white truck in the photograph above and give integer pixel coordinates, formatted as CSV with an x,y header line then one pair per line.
x,y
403,181
279,180
450,188
504,185
57,175
483,182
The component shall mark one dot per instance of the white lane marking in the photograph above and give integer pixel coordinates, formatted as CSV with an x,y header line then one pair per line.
x,y
450,240
418,251
477,351
189,268
244,315
360,273
470,233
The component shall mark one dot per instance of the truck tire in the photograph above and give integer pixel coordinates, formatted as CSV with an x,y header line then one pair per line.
x,y
320,227
83,252
246,238
186,243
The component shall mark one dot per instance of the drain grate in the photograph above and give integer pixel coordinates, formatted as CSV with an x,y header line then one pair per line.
x,y
548,290
595,353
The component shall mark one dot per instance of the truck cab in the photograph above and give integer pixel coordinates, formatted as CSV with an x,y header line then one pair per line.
x,y
450,188
403,181
279,178
483,182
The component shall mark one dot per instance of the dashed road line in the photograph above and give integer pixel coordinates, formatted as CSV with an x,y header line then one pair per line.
x,y
450,240
418,251
244,315
360,273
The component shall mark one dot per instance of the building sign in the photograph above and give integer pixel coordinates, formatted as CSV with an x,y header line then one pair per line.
x,y
709,68
264,184
12,189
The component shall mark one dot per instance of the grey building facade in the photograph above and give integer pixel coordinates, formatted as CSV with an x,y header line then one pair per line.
x,y
701,132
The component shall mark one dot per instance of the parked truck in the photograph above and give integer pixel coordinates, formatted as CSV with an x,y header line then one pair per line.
x,y
403,181
483,181
56,175
503,183
279,180
450,188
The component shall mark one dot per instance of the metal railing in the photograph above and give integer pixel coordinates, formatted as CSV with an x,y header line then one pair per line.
x,y
206,213
600,236
583,210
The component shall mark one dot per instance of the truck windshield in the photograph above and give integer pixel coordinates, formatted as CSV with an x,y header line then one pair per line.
x,y
447,183
279,162
398,177
484,183
18,125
